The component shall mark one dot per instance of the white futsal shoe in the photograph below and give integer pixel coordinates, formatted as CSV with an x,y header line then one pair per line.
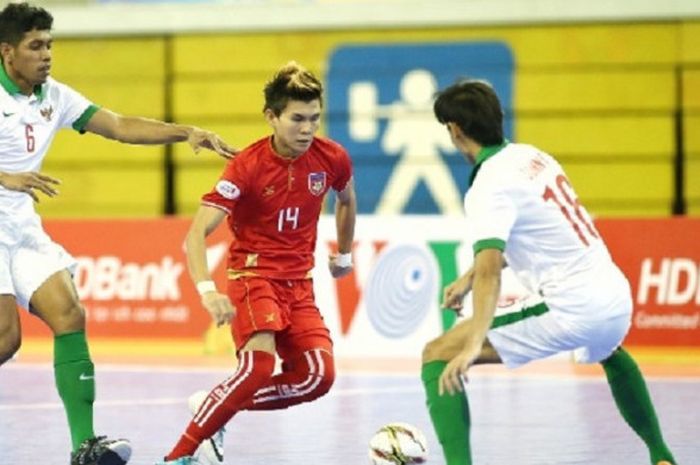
x,y
211,451
181,461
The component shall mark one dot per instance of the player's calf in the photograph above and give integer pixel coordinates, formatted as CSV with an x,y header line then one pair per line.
x,y
9,345
10,332
211,450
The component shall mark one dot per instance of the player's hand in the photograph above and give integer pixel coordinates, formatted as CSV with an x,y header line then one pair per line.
x,y
219,307
453,295
451,378
30,181
199,138
338,270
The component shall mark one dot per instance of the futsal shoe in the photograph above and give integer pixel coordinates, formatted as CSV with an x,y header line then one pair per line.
x,y
102,451
181,461
210,451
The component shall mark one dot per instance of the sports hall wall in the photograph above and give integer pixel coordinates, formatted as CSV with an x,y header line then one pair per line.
x,y
616,102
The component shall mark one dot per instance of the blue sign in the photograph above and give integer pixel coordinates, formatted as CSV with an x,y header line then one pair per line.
x,y
379,107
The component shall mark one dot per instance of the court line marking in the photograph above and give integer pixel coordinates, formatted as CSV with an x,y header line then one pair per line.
x,y
183,400
509,375
487,384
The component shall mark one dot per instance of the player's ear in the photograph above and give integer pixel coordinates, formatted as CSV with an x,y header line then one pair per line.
x,y
270,116
5,50
455,132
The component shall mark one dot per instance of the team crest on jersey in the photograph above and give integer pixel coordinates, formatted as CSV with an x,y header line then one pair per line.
x,y
317,183
46,113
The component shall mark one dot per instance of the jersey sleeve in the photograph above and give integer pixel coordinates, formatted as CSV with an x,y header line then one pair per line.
x,y
229,188
344,170
491,217
76,110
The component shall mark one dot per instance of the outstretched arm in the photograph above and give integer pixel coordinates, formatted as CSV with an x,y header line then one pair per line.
x,y
345,213
138,130
205,221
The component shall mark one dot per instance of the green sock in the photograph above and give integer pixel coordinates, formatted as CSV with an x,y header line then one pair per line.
x,y
75,381
633,401
450,416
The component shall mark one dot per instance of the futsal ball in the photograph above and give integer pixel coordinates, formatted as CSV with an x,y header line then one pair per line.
x,y
398,444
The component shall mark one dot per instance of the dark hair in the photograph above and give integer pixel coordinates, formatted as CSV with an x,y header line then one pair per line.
x,y
16,19
474,107
291,82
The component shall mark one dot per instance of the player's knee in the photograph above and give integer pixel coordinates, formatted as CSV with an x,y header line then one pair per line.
x,y
433,351
325,376
326,382
321,388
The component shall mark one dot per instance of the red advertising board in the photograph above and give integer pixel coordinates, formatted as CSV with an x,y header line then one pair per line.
x,y
661,259
132,277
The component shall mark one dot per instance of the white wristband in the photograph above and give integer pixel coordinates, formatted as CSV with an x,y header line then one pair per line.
x,y
343,260
205,286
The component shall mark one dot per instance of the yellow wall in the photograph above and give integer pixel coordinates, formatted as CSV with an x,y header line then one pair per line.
x,y
102,178
599,97
691,106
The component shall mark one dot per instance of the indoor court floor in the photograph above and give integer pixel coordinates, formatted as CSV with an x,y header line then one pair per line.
x,y
552,413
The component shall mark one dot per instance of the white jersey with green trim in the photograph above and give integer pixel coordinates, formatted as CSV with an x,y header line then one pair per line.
x,y
27,128
522,202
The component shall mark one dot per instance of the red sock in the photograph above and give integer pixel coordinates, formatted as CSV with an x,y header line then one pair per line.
x,y
308,377
254,370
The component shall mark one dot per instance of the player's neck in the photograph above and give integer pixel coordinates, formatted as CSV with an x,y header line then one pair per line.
x,y
282,150
473,150
25,87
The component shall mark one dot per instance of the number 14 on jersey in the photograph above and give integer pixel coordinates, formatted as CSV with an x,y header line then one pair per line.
x,y
288,218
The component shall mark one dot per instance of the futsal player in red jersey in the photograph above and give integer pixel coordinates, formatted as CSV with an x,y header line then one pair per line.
x,y
272,193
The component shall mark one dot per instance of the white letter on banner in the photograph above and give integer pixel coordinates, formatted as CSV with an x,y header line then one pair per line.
x,y
647,280
105,280
680,266
168,287
83,277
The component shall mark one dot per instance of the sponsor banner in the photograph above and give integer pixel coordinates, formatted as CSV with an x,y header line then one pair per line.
x,y
388,307
661,259
132,279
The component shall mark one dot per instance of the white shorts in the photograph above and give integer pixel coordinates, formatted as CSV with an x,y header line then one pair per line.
x,y
529,330
28,257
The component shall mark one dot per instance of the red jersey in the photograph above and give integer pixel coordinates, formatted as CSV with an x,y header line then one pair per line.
x,y
273,205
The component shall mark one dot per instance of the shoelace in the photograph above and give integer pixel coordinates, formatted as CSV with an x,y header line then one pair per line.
x,y
90,450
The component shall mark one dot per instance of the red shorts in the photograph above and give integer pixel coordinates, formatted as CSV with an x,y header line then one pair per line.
x,y
286,307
